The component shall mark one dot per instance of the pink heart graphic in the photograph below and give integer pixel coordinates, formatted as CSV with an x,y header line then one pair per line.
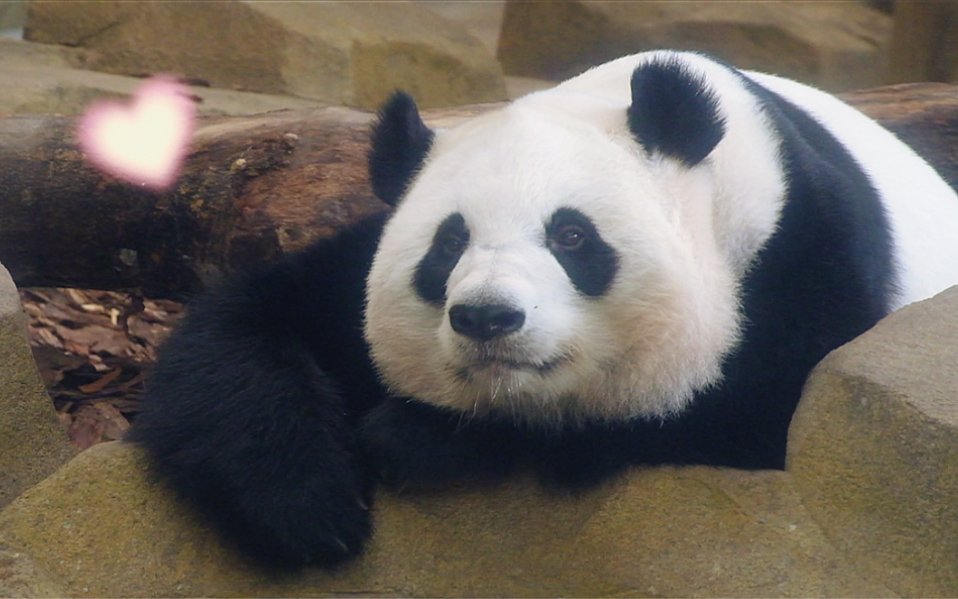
x,y
144,143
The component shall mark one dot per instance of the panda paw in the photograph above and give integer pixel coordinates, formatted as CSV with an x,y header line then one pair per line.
x,y
305,543
583,458
411,445
285,523
402,448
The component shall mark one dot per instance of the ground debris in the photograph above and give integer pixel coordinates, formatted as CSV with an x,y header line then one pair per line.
x,y
93,349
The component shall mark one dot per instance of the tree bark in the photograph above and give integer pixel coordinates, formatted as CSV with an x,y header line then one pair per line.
x,y
923,115
256,187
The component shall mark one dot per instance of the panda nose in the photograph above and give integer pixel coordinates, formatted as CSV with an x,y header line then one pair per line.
x,y
485,322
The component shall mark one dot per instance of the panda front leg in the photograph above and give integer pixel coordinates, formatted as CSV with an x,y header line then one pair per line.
x,y
252,433
251,412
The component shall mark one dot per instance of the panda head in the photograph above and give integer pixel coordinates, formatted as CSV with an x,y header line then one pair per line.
x,y
558,259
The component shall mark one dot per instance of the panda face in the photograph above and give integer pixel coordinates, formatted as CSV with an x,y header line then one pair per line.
x,y
541,265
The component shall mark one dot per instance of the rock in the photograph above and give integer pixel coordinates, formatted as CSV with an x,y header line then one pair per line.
x,y
482,19
101,527
12,15
13,51
835,45
333,52
19,577
873,448
59,85
924,44
32,444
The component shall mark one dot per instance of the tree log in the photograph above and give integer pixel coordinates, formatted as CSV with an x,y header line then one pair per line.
x,y
255,187
252,188
923,115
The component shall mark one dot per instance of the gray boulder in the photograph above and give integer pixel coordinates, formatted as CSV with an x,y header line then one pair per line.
x,y
102,527
835,45
335,52
60,85
873,448
924,45
867,507
32,444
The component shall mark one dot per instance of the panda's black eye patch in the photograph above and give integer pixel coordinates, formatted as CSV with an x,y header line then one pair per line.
x,y
448,244
587,259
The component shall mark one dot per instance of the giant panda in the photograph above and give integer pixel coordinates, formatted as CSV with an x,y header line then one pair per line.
x,y
639,266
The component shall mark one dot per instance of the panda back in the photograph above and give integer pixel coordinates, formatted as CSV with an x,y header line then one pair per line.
x,y
922,210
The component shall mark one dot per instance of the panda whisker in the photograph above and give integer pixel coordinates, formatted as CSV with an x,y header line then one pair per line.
x,y
460,423
496,385
475,405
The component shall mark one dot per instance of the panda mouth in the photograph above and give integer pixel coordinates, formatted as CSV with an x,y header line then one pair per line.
x,y
495,364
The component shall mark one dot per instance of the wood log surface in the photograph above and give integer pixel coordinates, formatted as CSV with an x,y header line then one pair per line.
x,y
254,187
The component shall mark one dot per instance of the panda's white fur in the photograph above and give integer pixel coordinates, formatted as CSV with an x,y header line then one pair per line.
x,y
686,237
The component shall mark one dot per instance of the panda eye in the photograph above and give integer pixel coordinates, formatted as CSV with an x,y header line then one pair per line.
x,y
452,244
569,237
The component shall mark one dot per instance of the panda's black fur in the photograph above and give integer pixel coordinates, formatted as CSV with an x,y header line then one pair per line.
x,y
265,411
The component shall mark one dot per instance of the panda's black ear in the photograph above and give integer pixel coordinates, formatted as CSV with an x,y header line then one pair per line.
x,y
673,112
400,142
